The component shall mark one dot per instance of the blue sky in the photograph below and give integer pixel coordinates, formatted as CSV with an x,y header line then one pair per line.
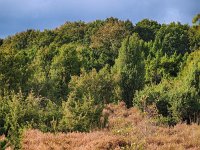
x,y
20,15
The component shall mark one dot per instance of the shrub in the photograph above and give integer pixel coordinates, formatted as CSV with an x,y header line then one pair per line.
x,y
18,112
99,85
81,115
88,94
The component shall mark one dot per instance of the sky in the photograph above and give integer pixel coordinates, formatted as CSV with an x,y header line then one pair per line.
x,y
20,15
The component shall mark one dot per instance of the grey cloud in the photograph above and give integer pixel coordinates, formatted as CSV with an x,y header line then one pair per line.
x,y
19,15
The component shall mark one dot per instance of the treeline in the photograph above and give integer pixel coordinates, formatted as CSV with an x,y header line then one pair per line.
x,y
60,80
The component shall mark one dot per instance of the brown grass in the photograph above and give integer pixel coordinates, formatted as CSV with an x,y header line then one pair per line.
x,y
36,140
181,137
127,129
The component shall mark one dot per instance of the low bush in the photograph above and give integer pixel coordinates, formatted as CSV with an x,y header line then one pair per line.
x,y
19,112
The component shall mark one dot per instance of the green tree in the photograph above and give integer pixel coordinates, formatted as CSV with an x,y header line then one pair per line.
x,y
194,37
40,81
172,38
45,38
88,58
194,33
147,29
130,67
18,112
88,94
177,99
196,19
100,85
168,52
70,32
91,29
159,67
185,94
1,41
14,71
107,40
64,65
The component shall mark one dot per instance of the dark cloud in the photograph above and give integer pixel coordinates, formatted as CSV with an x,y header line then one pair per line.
x,y
19,15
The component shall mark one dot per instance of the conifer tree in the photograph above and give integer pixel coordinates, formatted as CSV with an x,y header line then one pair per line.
x,y
129,67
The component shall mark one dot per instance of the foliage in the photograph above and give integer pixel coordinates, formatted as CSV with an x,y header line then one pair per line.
x,y
172,38
64,65
81,115
18,112
147,29
107,40
196,19
163,67
61,79
194,36
176,98
99,85
88,94
168,52
70,32
129,67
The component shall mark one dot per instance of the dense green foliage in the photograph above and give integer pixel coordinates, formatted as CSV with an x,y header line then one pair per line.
x,y
88,94
18,112
147,29
177,99
130,68
61,79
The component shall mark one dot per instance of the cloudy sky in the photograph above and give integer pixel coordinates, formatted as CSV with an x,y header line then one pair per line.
x,y
19,15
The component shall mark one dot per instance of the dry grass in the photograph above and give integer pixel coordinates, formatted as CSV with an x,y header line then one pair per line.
x,y
180,137
36,140
127,129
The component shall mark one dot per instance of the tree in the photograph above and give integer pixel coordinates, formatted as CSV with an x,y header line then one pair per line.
x,y
14,71
107,40
178,98
129,66
185,94
194,37
88,93
147,29
22,40
172,38
40,81
89,58
168,52
70,32
91,29
194,33
196,19
45,38
1,41
100,85
159,67
64,65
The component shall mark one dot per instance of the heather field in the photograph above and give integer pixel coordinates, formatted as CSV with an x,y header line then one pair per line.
x,y
126,129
